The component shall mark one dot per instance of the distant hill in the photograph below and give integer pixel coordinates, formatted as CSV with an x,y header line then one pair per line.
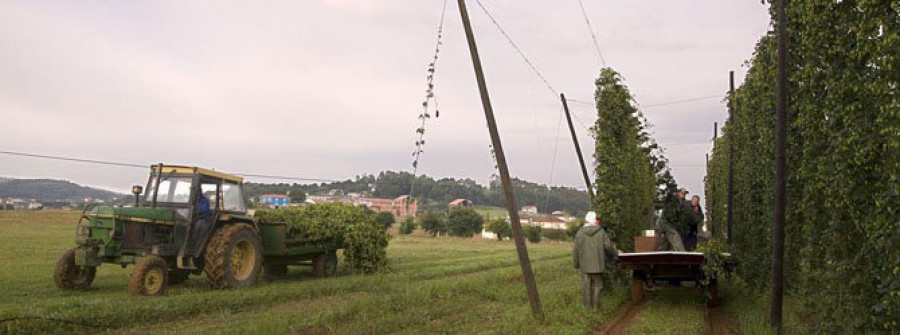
x,y
51,190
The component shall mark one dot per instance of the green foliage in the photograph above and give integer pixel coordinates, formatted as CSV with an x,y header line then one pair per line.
x,y
626,179
433,223
555,234
500,227
532,233
352,227
385,219
407,226
843,162
464,222
364,247
714,260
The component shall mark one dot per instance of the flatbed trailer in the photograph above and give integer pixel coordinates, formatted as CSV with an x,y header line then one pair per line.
x,y
279,251
678,266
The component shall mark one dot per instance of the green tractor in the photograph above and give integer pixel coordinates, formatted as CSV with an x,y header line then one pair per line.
x,y
186,221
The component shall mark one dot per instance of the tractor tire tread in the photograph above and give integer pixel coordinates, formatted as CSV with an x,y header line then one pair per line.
x,y
217,264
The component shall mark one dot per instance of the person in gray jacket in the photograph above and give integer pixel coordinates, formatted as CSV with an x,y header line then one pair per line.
x,y
592,247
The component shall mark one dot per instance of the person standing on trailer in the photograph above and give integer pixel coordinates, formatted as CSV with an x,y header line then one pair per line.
x,y
592,247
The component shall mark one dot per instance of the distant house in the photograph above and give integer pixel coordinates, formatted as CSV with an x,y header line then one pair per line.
x,y
530,210
401,207
548,222
274,200
460,203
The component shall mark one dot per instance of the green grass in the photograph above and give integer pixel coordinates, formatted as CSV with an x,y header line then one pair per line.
x,y
679,310
434,285
750,309
491,211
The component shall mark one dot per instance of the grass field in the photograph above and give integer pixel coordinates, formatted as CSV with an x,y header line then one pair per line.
x,y
434,285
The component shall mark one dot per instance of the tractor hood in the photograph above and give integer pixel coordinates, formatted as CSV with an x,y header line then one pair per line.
x,y
146,213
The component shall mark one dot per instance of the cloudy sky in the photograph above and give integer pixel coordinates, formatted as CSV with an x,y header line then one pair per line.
x,y
332,88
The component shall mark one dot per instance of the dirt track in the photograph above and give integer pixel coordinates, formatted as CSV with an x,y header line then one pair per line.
x,y
621,321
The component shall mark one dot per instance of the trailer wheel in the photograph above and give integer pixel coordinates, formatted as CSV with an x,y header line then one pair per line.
x,y
637,288
275,270
69,276
149,277
178,276
325,264
712,294
233,257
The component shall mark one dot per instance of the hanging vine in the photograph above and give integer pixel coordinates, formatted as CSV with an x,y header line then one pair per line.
x,y
426,104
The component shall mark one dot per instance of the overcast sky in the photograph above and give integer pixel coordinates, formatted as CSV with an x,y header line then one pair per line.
x,y
332,88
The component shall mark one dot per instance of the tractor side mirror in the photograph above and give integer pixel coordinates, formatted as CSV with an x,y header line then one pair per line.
x,y
137,190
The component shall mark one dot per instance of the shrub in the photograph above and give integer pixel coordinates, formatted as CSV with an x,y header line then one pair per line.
x,y
555,234
385,219
464,222
407,226
433,223
500,227
532,233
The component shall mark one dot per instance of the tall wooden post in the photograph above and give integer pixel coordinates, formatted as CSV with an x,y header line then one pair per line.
x,y
584,173
731,140
710,200
777,293
521,248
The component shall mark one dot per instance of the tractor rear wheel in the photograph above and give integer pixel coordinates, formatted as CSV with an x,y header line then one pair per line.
x,y
149,277
178,276
325,264
69,276
233,256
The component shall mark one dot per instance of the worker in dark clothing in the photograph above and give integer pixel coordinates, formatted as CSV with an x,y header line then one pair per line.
x,y
696,219
592,247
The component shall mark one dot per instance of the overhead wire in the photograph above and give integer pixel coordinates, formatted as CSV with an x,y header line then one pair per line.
x,y
265,176
144,166
593,36
517,49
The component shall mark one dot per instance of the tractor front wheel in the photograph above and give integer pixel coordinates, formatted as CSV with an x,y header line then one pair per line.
x,y
69,276
233,256
149,277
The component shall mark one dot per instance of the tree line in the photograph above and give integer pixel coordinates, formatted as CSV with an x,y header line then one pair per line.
x,y
434,194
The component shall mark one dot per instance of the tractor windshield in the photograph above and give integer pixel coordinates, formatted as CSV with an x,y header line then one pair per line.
x,y
171,189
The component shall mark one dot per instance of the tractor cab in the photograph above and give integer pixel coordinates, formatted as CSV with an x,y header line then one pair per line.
x,y
200,198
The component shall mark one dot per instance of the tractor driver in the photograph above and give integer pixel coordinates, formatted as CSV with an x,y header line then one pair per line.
x,y
202,206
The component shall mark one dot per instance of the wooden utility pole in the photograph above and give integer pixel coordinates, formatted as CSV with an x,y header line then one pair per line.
x,y
584,173
521,248
731,140
780,139
710,200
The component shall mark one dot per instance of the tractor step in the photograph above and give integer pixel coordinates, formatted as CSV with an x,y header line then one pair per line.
x,y
186,263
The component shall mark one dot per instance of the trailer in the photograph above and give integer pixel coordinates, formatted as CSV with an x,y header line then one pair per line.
x,y
673,266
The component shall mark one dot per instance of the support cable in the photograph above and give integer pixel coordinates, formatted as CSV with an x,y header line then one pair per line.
x,y
593,36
